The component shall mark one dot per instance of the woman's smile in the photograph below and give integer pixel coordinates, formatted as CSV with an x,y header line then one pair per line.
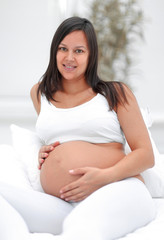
x,y
69,68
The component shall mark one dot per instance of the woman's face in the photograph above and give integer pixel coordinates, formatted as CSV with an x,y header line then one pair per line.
x,y
72,56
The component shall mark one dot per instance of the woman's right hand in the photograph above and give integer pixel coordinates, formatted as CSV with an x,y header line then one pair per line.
x,y
44,151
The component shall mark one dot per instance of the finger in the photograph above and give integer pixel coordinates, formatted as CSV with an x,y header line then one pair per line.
x,y
43,155
69,187
49,148
41,161
46,149
71,193
55,144
76,198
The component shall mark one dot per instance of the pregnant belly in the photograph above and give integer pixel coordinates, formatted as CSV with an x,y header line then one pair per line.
x,y
54,173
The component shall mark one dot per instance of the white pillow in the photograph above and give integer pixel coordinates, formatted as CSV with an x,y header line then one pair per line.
x,y
27,144
11,170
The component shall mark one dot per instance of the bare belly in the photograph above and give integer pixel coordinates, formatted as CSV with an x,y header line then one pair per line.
x,y
55,171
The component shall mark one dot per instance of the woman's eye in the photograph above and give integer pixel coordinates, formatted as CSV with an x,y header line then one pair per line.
x,y
63,49
79,51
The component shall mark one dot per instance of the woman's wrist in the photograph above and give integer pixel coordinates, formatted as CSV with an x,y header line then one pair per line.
x,y
109,175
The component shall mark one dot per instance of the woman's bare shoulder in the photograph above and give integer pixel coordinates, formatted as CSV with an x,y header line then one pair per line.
x,y
35,97
130,107
34,90
132,122
127,91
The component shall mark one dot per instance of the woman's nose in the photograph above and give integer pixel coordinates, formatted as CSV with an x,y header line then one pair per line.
x,y
70,56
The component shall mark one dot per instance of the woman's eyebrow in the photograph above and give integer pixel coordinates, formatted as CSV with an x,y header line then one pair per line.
x,y
75,46
81,47
63,44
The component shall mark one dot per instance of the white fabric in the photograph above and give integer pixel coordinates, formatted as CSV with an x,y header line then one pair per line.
x,y
91,121
41,212
26,145
11,228
11,169
152,231
109,213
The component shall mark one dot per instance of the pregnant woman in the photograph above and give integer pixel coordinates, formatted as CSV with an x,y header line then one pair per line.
x,y
83,122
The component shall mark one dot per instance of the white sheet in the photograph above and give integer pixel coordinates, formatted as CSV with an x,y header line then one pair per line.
x,y
154,230
12,172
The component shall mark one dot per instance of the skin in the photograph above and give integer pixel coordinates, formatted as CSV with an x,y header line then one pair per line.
x,y
76,154
77,181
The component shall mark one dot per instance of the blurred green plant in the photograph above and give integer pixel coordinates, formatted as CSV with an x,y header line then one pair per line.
x,y
118,25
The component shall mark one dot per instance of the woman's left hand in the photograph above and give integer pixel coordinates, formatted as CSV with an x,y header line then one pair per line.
x,y
91,179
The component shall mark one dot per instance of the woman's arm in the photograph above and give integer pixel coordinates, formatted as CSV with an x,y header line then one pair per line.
x,y
141,156
46,149
34,97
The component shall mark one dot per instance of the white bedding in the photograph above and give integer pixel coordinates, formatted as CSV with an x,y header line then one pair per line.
x,y
154,230
19,169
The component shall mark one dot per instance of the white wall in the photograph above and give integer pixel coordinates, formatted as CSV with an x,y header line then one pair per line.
x,y
27,27
149,84
26,30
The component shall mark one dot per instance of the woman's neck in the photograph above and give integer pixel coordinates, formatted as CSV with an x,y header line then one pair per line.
x,y
74,87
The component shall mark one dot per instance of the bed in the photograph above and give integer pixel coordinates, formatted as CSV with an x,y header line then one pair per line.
x,y
23,172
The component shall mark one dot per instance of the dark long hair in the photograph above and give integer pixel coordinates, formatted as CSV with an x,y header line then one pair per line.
x,y
51,80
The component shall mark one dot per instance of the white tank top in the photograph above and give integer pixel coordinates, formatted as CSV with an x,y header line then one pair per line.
x,y
92,121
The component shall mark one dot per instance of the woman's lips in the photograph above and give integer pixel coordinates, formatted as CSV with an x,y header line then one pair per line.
x,y
69,67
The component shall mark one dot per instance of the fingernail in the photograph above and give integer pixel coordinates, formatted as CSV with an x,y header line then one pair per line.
x,y
71,171
62,196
